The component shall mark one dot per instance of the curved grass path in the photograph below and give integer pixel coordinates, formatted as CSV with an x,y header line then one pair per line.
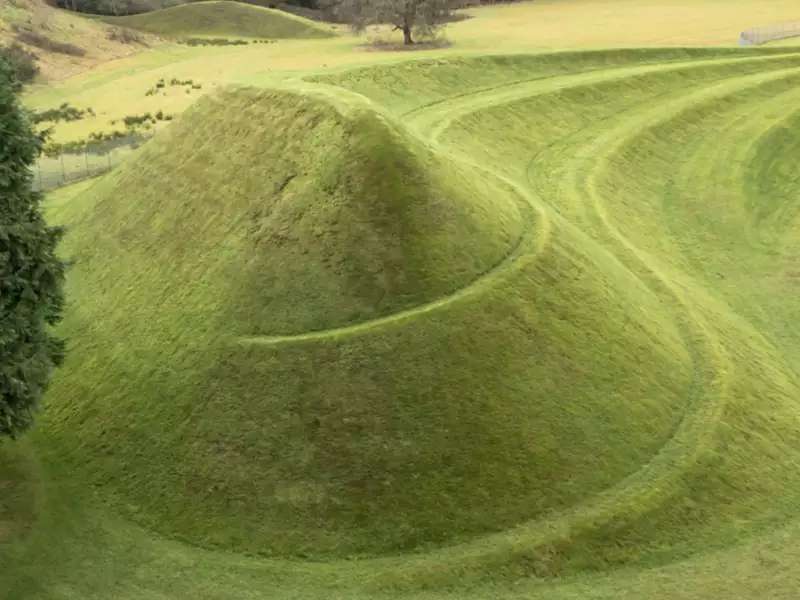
x,y
533,237
431,120
644,490
648,488
566,186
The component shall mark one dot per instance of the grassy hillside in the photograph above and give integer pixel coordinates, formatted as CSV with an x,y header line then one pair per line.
x,y
18,508
222,19
370,292
89,42
506,326
447,334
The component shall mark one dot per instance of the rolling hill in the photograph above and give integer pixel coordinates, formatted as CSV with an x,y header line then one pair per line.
x,y
222,18
64,43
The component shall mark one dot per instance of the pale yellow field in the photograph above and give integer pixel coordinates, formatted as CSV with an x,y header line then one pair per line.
x,y
590,23
117,88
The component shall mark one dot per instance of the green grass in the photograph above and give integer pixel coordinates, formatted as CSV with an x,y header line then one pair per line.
x,y
18,510
491,326
222,18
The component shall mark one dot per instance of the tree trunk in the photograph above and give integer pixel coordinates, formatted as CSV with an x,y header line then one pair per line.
x,y
407,34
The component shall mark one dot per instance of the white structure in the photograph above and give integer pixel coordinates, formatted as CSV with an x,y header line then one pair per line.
x,y
762,35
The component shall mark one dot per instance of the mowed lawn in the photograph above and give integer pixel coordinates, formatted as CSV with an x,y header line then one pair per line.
x,y
514,318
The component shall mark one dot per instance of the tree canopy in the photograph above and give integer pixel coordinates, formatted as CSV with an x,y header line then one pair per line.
x,y
412,17
31,275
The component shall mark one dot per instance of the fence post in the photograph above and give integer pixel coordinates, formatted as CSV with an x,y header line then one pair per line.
x,y
63,169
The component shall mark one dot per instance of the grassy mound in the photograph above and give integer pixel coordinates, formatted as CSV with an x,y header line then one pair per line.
x,y
537,318
353,345
222,18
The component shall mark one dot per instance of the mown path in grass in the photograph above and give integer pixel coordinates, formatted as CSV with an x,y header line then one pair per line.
x,y
431,120
648,488
568,187
578,160
534,235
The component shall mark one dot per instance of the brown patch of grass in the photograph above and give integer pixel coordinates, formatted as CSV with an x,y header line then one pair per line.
x,y
34,38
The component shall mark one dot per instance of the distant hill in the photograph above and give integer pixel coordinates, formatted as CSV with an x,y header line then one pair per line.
x,y
222,18
119,8
63,43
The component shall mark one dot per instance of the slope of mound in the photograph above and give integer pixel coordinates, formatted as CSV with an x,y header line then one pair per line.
x,y
642,163
17,493
222,18
227,392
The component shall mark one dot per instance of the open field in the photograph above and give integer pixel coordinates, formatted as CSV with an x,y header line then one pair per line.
x,y
451,325
118,88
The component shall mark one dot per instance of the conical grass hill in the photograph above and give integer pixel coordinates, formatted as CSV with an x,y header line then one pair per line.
x,y
306,330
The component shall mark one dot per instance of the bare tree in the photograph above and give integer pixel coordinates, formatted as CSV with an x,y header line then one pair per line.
x,y
412,17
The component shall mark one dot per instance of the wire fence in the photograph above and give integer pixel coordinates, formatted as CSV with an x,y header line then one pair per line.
x,y
56,170
769,33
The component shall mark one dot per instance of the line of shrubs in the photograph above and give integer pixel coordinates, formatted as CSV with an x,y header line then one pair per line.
x,y
65,112
95,143
99,142
222,42
174,82
39,40
145,120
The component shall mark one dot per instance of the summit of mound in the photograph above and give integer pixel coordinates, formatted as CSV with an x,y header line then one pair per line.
x,y
325,219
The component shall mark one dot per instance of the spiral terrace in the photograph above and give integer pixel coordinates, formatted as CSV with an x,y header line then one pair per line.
x,y
453,320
